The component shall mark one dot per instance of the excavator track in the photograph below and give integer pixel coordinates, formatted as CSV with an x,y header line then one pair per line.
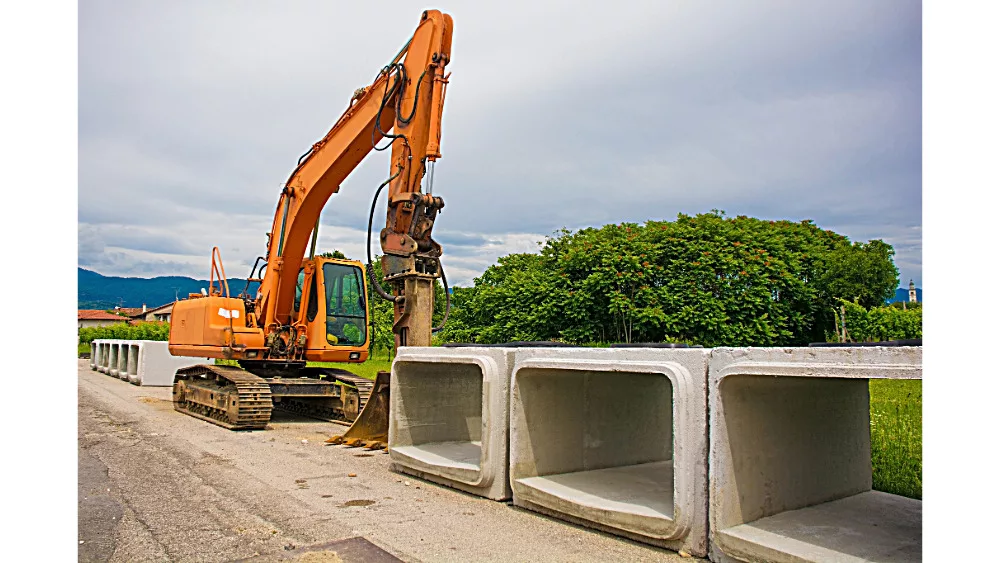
x,y
326,412
226,396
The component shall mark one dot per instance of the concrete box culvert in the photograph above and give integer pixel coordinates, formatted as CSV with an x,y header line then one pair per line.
x,y
114,351
102,355
123,353
96,353
132,363
102,350
155,366
614,439
107,357
448,417
790,474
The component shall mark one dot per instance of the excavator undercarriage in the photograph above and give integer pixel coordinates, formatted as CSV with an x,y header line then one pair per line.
x,y
235,398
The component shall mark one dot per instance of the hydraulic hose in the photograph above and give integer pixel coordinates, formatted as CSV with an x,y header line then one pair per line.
x,y
447,299
368,247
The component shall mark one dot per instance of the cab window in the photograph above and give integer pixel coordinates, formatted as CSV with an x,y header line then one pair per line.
x,y
345,305
298,291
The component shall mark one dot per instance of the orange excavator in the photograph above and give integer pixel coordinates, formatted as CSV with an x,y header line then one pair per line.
x,y
312,308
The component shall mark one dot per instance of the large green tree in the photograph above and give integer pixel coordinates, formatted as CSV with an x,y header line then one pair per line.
x,y
706,279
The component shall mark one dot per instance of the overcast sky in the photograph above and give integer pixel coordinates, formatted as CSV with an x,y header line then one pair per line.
x,y
558,114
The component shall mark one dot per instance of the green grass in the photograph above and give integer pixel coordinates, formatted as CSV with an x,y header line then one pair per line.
x,y
368,369
82,349
897,436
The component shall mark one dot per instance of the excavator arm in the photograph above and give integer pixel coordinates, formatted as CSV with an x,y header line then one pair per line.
x,y
403,104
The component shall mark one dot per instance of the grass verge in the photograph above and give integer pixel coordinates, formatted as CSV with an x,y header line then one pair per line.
x,y
369,369
897,436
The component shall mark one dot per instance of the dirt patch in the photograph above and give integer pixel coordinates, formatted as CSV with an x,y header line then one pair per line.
x,y
153,400
320,557
162,404
358,502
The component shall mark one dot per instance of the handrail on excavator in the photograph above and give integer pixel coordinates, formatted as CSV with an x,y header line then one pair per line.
x,y
217,270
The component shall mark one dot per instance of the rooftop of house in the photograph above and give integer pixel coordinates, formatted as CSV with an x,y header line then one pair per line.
x,y
98,315
161,308
131,311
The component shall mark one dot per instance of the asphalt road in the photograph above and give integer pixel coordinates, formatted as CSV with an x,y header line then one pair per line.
x,y
156,485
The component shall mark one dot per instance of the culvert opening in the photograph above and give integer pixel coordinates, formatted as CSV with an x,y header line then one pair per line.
x,y
133,360
597,439
113,359
122,368
801,463
440,419
105,365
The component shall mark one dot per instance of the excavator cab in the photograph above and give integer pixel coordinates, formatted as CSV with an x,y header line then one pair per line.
x,y
334,292
346,306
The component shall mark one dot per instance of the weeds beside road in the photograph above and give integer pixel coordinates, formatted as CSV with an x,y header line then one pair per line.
x,y
897,436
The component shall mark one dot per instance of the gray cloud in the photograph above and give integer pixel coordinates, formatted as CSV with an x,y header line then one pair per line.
x,y
558,115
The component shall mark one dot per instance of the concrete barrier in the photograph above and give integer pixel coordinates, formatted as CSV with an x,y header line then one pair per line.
x,y
93,355
614,439
790,474
448,417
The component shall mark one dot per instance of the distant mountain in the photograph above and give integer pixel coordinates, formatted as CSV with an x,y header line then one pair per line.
x,y
903,294
95,291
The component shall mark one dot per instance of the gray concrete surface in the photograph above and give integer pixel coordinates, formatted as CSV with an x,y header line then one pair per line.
x,y
449,417
870,526
790,437
615,439
179,489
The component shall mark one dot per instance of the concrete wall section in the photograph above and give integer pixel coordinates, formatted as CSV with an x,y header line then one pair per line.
x,y
790,459
155,366
448,417
614,439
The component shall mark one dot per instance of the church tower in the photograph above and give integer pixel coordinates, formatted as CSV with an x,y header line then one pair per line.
x,y
913,292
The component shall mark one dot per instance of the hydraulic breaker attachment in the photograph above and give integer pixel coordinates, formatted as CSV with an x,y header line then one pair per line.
x,y
371,428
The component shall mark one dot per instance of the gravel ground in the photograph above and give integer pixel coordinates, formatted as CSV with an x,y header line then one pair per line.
x,y
156,485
